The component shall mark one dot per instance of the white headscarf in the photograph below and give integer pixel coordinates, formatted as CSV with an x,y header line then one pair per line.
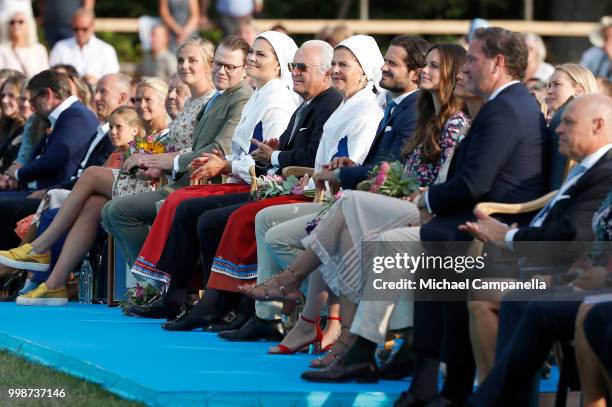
x,y
285,49
368,54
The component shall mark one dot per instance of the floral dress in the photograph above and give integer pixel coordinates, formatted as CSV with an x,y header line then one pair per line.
x,y
178,138
602,227
426,173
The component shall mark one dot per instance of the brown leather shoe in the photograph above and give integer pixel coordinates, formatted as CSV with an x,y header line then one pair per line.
x,y
337,373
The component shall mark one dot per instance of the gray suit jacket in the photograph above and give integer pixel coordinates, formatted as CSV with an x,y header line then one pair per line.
x,y
214,129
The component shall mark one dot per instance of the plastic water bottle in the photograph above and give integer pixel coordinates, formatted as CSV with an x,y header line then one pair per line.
x,y
86,282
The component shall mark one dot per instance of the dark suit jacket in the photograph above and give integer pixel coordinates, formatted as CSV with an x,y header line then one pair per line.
x,y
502,159
61,152
301,150
571,218
98,157
388,143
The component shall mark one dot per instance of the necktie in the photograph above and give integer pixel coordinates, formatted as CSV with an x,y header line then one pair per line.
x,y
211,101
540,216
298,119
386,116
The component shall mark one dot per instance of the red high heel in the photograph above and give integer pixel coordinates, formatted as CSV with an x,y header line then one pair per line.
x,y
285,350
322,350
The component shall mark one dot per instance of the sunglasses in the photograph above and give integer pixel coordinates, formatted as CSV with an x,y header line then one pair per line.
x,y
300,66
19,22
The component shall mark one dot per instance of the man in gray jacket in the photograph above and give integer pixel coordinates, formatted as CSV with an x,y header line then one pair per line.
x,y
128,218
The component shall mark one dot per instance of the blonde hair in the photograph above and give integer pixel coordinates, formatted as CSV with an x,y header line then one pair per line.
x,y
579,76
31,35
206,47
158,85
129,114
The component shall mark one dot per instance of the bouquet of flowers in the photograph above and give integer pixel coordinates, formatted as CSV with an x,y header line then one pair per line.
x,y
139,295
147,145
391,179
269,186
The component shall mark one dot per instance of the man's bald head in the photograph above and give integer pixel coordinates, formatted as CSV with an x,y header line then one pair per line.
x,y
113,90
586,126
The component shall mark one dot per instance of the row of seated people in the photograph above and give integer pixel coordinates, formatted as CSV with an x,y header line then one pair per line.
x,y
468,132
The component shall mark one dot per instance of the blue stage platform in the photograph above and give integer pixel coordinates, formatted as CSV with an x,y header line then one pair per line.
x,y
138,360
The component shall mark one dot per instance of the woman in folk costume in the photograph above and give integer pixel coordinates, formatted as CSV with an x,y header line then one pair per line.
x,y
349,132
334,247
265,116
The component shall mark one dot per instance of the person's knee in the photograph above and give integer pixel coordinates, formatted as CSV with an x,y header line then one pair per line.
x,y
92,174
274,237
206,223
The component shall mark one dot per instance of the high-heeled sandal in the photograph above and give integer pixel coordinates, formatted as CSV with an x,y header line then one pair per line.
x,y
329,345
285,350
282,290
330,357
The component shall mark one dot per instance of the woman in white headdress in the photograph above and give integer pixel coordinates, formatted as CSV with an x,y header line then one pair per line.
x,y
350,130
334,247
265,116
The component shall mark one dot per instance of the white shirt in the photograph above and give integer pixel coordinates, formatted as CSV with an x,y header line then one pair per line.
x,y
587,162
499,90
100,134
55,113
399,99
96,58
272,105
28,60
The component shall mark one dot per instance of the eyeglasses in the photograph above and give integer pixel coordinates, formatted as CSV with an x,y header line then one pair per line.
x,y
13,22
228,68
80,29
300,66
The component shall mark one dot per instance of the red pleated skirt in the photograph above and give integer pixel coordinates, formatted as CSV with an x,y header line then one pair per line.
x,y
146,263
235,262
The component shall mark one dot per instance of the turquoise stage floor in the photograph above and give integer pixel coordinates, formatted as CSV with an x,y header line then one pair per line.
x,y
138,360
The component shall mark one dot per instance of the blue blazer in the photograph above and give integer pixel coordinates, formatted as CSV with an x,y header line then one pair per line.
x,y
388,143
503,158
60,153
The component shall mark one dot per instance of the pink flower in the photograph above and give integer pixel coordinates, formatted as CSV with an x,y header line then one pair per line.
x,y
297,190
139,292
150,139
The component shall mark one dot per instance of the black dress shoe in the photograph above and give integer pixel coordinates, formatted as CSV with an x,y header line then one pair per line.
x,y
230,322
396,370
336,373
189,321
408,399
256,329
156,309
440,401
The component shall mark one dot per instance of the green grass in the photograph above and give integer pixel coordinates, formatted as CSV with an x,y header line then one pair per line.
x,y
19,373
